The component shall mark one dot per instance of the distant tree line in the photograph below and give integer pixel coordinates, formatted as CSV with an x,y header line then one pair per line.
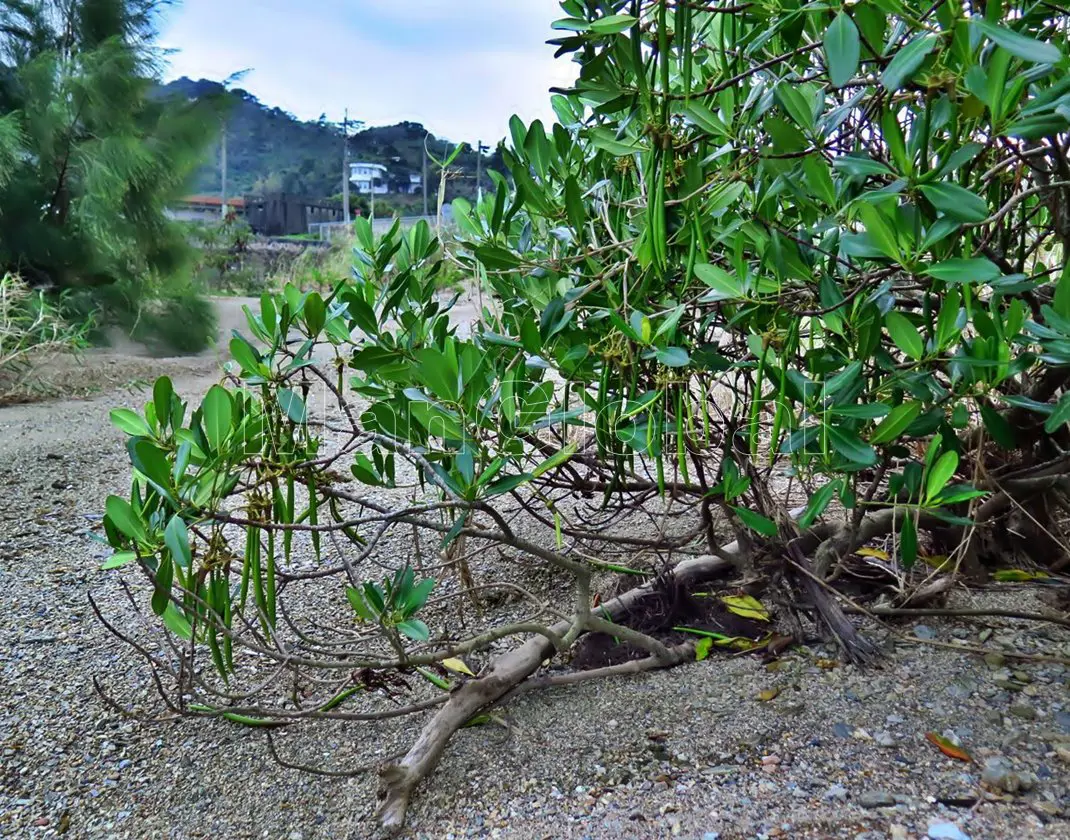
x,y
270,150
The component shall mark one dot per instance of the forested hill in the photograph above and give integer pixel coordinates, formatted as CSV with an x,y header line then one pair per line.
x,y
270,150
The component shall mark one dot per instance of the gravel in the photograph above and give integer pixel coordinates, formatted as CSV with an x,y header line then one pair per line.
x,y
687,753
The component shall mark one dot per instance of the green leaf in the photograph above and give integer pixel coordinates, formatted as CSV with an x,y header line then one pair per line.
x,y
315,312
941,473
704,118
535,404
796,104
963,270
418,595
176,622
906,62
880,229
217,415
414,629
851,446
956,202
723,284
577,215
152,463
860,166
162,394
1022,46
123,517
119,558
508,483
127,421
842,49
870,411
612,24
244,354
1059,416
673,357
554,461
756,522
905,335
360,606
818,503
606,140
496,257
998,427
896,423
292,405
702,649
848,376
176,538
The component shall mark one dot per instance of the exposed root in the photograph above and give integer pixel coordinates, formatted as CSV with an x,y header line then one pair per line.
x,y
399,780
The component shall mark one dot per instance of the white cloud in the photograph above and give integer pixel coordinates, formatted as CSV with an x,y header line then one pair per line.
x,y
461,67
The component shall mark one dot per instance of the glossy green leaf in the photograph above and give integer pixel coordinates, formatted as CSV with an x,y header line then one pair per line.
x,y
127,421
941,473
906,62
756,522
905,335
1022,46
965,270
723,284
956,202
851,447
612,24
292,405
842,49
897,422
218,415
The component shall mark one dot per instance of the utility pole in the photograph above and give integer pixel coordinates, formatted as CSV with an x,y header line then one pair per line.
x,y
427,211
480,148
345,169
479,171
223,184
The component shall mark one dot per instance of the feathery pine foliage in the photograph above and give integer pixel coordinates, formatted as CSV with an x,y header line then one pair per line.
x,y
89,156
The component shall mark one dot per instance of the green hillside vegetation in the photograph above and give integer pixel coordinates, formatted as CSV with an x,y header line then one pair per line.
x,y
270,150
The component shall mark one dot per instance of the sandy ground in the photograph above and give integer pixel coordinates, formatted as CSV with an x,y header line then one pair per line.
x,y
691,753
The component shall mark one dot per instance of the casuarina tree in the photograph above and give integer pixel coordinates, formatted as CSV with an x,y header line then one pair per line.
x,y
90,156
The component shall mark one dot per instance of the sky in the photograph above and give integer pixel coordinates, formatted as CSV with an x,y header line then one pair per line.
x,y
460,67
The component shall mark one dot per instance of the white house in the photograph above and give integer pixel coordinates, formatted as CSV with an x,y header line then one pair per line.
x,y
369,178
416,183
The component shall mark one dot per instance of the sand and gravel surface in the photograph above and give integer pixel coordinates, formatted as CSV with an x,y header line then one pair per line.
x,y
692,753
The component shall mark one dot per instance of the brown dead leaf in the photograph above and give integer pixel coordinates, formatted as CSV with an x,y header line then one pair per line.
x,y
947,748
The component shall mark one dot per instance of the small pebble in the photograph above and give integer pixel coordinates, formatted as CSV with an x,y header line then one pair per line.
x,y
876,799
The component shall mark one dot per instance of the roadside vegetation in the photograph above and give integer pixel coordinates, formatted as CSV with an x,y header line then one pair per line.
x,y
90,157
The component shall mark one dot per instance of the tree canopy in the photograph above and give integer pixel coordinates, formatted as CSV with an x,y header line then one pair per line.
x,y
90,155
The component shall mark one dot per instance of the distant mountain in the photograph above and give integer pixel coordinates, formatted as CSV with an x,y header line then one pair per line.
x,y
269,150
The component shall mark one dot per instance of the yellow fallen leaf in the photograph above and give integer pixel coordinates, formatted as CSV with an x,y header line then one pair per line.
x,y
458,666
767,694
1012,575
746,606
872,552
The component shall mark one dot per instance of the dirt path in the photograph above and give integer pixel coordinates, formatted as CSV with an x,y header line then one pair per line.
x,y
691,753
